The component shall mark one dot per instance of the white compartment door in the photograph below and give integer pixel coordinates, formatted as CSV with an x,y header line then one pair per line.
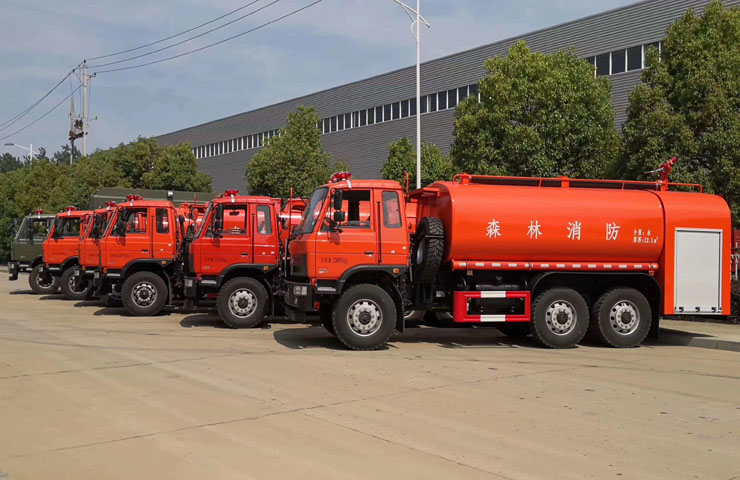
x,y
698,272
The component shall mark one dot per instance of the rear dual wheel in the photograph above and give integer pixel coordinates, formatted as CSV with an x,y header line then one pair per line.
x,y
621,318
560,318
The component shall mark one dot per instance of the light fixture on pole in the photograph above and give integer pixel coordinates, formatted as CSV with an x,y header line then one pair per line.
x,y
417,20
28,149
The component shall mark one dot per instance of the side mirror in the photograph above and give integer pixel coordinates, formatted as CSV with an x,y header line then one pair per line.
x,y
217,225
58,222
120,226
339,216
338,198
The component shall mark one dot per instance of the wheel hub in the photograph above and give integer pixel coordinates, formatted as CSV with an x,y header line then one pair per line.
x,y
624,317
144,294
364,317
560,317
42,281
243,303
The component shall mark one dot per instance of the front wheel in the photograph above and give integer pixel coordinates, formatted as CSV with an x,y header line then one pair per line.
x,y
144,294
364,317
242,302
42,283
75,287
559,318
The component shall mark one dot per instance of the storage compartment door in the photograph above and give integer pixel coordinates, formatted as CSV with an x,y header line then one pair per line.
x,y
698,272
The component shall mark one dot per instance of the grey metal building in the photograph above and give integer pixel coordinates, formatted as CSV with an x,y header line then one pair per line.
x,y
361,119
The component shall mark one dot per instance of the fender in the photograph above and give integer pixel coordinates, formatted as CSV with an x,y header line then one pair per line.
x,y
402,269
162,264
262,268
69,261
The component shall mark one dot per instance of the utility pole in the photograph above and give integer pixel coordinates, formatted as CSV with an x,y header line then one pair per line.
x,y
417,19
84,109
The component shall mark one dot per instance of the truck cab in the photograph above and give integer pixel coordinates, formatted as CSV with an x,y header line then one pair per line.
x,y
61,252
26,252
140,255
348,257
235,255
90,243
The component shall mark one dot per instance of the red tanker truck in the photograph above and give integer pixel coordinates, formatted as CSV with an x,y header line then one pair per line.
x,y
554,257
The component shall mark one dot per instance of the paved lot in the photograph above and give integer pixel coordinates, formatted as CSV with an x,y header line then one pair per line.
x,y
88,393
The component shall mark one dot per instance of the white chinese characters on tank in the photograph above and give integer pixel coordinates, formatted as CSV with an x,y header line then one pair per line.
x,y
494,229
574,230
534,230
612,231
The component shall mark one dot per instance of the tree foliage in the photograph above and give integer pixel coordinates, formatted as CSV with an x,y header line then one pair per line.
x,y
293,159
688,105
54,184
9,163
402,159
539,115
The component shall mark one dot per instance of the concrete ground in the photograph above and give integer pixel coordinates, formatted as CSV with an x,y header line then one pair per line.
x,y
86,392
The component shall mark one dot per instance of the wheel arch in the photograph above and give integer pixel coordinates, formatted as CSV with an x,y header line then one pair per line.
x,y
384,277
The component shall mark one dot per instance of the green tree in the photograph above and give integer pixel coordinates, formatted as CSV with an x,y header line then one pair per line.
x,y
62,156
9,163
688,105
176,168
402,159
295,158
539,115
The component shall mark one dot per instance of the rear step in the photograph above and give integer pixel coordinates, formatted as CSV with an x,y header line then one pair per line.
x,y
492,306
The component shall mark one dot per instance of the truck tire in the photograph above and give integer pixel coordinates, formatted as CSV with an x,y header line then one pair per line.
x,y
559,318
325,314
242,302
364,317
144,294
75,288
622,318
42,284
428,252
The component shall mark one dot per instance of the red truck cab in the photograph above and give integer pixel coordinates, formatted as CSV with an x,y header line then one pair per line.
x,y
235,254
89,258
62,249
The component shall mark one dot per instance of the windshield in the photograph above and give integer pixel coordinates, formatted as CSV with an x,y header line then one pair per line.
x,y
311,214
90,225
203,223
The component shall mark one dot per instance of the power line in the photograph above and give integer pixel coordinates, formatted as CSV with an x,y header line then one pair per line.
x,y
177,34
212,44
22,114
42,116
187,39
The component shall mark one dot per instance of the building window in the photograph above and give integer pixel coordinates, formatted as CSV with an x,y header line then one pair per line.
x,y
591,60
473,89
363,118
452,98
619,61
433,102
424,104
355,119
634,58
333,124
404,109
602,64
396,111
340,122
442,100
259,140
249,142
462,93
413,107
327,125
378,114
370,116
347,121
387,112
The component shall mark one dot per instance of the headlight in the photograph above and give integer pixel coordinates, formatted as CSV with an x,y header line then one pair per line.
x,y
300,290
96,274
188,282
77,273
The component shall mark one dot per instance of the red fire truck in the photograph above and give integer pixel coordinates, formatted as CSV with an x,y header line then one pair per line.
x,y
554,257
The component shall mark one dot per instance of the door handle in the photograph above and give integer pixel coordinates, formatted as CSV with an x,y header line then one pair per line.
x,y
245,254
144,250
369,252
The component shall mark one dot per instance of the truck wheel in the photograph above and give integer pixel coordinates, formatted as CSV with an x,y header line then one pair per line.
x,y
75,288
622,318
516,330
559,318
325,316
429,249
144,294
242,302
364,317
43,284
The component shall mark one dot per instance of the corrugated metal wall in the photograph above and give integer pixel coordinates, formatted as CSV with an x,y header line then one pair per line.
x,y
366,148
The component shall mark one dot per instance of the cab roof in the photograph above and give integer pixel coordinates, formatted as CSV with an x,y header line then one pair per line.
x,y
74,213
146,203
245,199
351,184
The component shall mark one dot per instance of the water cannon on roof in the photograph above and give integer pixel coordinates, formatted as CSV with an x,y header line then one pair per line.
x,y
340,176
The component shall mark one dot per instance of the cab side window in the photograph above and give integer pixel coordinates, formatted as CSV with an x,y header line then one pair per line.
x,y
356,204
391,210
137,221
163,221
70,227
264,220
235,220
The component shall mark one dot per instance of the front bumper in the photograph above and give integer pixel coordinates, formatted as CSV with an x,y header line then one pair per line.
x,y
13,269
190,287
298,298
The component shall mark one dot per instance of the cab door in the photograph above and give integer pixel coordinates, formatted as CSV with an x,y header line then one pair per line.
x,y
354,241
231,246
266,246
63,243
134,244
394,236
163,234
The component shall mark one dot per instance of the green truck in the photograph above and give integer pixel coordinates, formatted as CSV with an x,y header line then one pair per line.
x,y
26,252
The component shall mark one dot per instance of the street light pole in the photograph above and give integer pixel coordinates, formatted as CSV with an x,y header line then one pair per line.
x,y
28,149
417,19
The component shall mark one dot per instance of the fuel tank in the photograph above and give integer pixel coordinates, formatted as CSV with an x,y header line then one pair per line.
x,y
562,220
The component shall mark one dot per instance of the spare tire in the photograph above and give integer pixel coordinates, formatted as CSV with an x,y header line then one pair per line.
x,y
429,249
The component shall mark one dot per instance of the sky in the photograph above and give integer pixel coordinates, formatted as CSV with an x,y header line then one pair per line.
x,y
332,43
